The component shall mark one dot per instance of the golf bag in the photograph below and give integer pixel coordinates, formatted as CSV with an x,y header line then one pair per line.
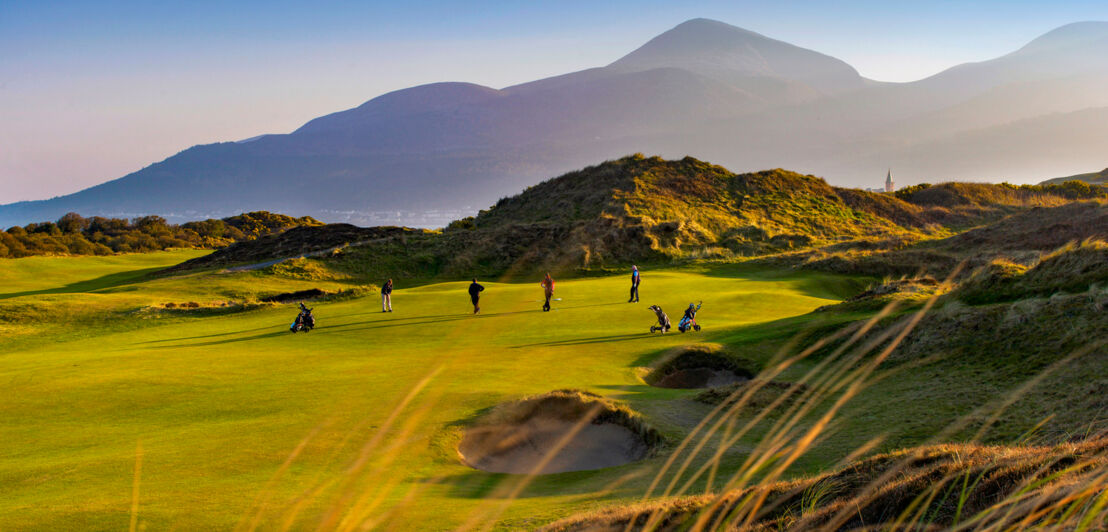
x,y
688,321
305,321
663,320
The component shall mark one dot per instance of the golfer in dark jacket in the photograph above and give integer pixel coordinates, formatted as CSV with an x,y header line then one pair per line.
x,y
475,295
634,285
548,290
386,296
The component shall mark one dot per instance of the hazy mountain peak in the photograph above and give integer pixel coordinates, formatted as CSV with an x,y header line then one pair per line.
x,y
437,152
1070,35
707,32
724,51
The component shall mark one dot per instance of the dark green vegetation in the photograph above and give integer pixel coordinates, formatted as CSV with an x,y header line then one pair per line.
x,y
74,234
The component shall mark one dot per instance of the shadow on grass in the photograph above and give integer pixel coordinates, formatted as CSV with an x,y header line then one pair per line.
x,y
216,335
584,341
106,281
477,484
323,329
391,321
749,340
283,332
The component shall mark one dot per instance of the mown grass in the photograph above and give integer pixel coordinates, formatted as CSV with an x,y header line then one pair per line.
x,y
219,403
63,298
239,424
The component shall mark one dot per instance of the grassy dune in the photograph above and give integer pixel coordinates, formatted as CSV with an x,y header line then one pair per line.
x,y
233,421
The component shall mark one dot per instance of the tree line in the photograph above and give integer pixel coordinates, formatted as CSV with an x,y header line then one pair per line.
x,y
74,234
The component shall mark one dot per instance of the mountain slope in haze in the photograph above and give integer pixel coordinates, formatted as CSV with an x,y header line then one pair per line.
x,y
426,155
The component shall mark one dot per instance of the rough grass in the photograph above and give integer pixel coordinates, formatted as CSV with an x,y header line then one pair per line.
x,y
1073,268
1006,323
649,210
1022,238
766,394
933,487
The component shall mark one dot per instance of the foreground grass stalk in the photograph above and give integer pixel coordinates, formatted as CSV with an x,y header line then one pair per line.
x,y
333,515
135,487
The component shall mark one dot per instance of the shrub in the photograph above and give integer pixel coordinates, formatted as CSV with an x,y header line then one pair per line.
x,y
74,234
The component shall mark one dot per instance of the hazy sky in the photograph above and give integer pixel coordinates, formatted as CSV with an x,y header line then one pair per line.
x,y
91,91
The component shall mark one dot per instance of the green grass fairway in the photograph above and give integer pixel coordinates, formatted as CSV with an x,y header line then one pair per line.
x,y
241,422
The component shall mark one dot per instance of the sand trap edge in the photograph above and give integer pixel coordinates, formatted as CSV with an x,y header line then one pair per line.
x,y
548,415
699,357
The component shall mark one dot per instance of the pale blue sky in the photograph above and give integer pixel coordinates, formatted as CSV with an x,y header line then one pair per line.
x,y
92,91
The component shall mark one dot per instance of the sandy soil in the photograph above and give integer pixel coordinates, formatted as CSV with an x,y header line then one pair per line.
x,y
519,448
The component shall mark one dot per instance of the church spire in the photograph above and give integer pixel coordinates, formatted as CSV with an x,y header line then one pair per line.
x,y
889,186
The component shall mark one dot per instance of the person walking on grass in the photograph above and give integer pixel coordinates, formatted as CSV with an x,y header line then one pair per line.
x,y
475,295
634,285
547,285
386,296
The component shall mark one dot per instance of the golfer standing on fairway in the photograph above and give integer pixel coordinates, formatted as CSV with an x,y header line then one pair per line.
x,y
547,285
386,296
634,285
475,295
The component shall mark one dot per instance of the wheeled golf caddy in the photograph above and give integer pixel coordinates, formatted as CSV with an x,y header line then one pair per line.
x,y
305,321
688,321
663,320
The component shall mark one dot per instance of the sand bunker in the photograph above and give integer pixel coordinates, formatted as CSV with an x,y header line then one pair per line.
x,y
699,366
700,378
302,295
557,432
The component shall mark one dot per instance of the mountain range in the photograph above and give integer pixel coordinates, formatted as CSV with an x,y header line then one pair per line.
x,y
425,155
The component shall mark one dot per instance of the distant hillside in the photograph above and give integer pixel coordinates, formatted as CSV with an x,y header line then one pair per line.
x,y
74,234
1095,178
639,208
424,155
306,240
648,209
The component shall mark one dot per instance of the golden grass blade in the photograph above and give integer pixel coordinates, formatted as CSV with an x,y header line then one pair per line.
x,y
135,487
